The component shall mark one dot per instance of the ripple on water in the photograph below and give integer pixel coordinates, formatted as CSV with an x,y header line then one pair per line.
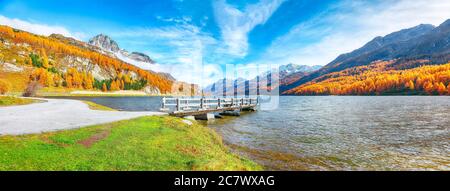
x,y
333,132
345,133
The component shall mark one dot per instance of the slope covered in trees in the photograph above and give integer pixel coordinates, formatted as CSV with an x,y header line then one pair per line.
x,y
381,79
423,42
56,63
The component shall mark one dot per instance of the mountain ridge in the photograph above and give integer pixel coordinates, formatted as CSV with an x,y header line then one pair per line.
x,y
66,63
422,42
285,73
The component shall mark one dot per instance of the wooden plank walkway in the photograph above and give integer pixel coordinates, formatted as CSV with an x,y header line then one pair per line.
x,y
181,107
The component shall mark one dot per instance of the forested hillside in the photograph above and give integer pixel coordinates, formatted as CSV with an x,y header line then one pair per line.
x,y
403,62
60,62
381,79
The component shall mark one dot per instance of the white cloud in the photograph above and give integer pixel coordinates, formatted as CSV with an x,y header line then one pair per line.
x,y
40,29
349,25
236,24
179,50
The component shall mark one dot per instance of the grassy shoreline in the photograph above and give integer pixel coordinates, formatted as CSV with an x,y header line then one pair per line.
x,y
146,143
95,106
6,101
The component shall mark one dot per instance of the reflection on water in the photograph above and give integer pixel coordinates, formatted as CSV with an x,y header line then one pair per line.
x,y
345,133
334,133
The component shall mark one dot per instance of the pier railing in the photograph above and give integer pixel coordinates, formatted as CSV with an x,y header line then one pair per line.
x,y
186,105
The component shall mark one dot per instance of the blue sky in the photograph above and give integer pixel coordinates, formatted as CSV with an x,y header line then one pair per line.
x,y
184,36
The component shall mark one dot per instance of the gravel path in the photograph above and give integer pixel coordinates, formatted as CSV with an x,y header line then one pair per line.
x,y
57,114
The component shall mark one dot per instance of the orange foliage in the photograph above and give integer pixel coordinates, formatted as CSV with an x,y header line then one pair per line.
x,y
4,87
55,47
45,63
42,76
73,78
104,88
376,79
114,86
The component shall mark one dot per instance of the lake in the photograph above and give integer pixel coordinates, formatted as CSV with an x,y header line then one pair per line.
x,y
333,133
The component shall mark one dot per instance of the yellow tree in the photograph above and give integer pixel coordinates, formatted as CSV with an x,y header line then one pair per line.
x,y
69,81
42,76
29,61
114,86
122,85
44,59
428,87
7,30
127,79
441,89
410,85
4,86
88,81
104,88
448,89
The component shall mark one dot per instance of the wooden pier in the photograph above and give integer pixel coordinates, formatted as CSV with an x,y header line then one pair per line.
x,y
198,107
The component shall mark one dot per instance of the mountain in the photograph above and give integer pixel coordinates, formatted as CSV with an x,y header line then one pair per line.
x,y
380,78
383,42
64,64
109,45
291,72
292,68
104,42
285,73
423,44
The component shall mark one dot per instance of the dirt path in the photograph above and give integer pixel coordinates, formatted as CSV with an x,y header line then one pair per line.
x,y
57,114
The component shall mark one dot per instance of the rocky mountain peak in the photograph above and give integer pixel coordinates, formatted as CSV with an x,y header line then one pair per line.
x,y
104,42
292,68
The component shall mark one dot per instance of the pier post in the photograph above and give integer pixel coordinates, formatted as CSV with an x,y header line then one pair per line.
x,y
190,117
202,106
163,104
206,116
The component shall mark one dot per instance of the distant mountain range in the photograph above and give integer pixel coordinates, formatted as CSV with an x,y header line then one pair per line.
x,y
289,69
399,51
286,74
58,61
423,44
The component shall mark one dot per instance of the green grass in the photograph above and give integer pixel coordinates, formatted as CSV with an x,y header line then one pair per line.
x,y
95,106
146,143
11,101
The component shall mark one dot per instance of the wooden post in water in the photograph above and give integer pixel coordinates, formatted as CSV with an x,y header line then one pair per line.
x,y
218,103
178,104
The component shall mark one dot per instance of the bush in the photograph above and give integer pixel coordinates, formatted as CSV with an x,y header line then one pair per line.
x,y
31,89
36,61
4,87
